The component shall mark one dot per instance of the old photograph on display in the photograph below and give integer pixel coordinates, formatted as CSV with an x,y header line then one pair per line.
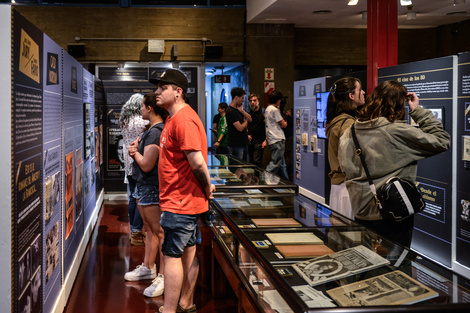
x,y
55,188
338,265
78,190
439,114
387,289
69,205
36,288
52,250
466,148
25,301
48,194
36,255
24,270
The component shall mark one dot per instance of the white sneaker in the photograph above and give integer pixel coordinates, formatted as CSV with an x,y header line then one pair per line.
x,y
156,288
141,272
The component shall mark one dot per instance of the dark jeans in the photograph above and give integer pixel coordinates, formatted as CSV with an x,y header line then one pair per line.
x,y
222,150
135,220
239,152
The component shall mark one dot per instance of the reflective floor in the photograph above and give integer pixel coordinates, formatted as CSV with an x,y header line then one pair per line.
x,y
100,285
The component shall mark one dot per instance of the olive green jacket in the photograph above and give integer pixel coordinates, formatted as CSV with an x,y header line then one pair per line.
x,y
334,130
390,149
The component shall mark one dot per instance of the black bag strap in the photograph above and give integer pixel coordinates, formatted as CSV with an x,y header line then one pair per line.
x,y
364,165
344,121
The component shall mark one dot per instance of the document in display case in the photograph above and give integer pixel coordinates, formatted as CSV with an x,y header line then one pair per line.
x,y
294,238
347,265
303,251
387,289
338,265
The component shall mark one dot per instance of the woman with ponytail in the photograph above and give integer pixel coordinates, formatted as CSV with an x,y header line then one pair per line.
x,y
346,95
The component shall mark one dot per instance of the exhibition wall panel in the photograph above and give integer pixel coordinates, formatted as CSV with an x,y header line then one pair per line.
x,y
53,171
54,203
6,165
462,167
309,147
27,162
434,81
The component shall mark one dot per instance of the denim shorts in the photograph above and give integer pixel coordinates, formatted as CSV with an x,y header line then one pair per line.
x,y
147,194
179,232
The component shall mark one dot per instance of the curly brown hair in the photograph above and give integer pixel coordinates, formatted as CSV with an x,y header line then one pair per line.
x,y
386,100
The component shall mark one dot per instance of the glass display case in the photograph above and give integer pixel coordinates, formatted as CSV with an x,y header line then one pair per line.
x,y
291,254
223,160
248,181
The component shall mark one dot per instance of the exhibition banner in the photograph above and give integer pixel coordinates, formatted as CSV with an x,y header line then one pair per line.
x,y
116,94
88,188
53,171
27,165
463,162
73,154
98,125
433,82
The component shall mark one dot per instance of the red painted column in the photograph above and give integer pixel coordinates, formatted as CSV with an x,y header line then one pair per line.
x,y
382,38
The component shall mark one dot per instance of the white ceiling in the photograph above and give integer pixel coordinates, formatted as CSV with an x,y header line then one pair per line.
x,y
429,13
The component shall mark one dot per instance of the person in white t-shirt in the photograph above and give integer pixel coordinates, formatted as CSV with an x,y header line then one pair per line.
x,y
275,138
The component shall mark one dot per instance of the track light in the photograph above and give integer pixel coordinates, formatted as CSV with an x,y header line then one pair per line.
x,y
352,2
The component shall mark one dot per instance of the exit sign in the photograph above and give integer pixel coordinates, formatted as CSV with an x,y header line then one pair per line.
x,y
222,79
269,74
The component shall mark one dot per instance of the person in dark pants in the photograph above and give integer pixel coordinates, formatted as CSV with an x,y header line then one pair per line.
x,y
237,121
256,131
222,137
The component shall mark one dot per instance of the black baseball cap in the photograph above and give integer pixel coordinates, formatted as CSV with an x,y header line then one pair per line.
x,y
172,76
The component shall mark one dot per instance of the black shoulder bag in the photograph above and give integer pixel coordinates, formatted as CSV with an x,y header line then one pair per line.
x,y
398,198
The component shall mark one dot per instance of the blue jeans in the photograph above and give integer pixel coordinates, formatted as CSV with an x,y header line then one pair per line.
x,y
135,220
278,163
239,152
179,232
147,194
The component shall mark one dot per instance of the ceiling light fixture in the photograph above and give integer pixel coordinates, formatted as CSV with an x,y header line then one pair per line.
x,y
352,2
405,3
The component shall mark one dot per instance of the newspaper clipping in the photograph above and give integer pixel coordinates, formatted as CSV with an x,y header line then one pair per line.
x,y
387,289
338,265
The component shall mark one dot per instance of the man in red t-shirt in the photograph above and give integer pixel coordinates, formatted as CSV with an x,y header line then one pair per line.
x,y
185,189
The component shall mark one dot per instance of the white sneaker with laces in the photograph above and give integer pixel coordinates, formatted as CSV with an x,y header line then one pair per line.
x,y
141,272
156,288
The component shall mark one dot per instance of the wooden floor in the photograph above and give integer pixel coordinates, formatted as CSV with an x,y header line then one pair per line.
x,y
100,285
